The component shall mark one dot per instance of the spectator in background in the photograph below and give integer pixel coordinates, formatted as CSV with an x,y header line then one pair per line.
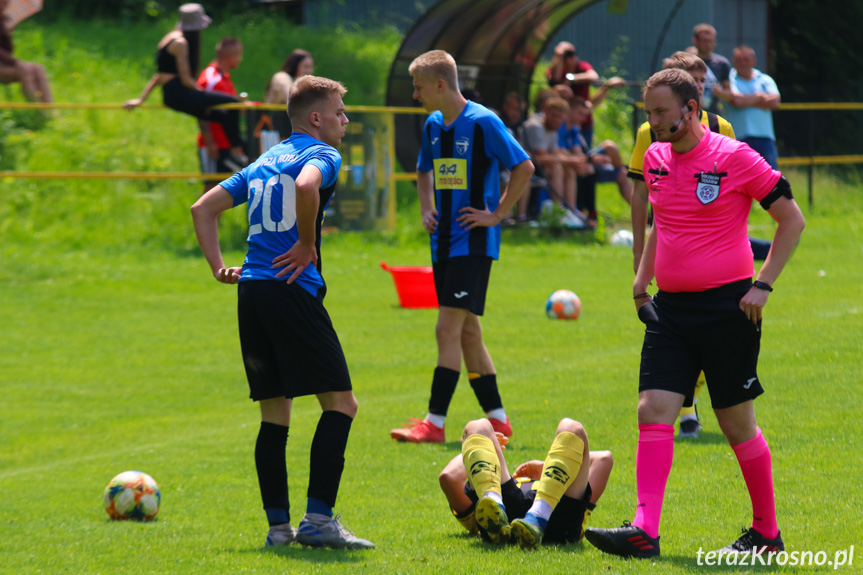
x,y
540,98
542,141
566,68
512,111
32,77
704,39
213,145
707,100
299,63
753,96
177,60
604,163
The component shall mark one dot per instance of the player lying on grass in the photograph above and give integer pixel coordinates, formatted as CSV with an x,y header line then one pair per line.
x,y
549,501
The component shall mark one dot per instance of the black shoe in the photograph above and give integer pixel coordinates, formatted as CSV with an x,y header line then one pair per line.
x,y
751,540
689,428
626,541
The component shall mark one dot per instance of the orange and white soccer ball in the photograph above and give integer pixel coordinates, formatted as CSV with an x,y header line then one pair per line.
x,y
563,304
132,495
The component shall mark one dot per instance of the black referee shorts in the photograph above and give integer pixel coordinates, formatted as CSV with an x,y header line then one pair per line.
x,y
462,282
702,331
290,348
566,521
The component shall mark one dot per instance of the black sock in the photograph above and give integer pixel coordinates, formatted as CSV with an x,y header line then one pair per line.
x,y
443,388
485,388
273,472
328,456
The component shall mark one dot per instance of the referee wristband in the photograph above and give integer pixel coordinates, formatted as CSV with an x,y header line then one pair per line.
x,y
641,295
762,285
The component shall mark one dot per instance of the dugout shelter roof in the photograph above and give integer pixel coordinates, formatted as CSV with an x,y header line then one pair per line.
x,y
497,44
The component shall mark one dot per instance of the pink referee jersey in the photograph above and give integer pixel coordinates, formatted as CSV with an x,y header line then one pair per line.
x,y
701,201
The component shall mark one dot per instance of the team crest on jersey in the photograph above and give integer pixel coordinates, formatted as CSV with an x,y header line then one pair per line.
x,y
707,188
461,146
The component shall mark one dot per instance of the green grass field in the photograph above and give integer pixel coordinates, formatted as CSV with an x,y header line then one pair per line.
x,y
119,351
129,359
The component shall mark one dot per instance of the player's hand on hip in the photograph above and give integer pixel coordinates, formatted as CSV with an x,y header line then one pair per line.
x,y
753,302
430,220
228,275
471,218
295,260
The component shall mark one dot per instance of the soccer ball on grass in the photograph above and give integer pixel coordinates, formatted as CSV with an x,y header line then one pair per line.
x,y
563,304
132,495
622,238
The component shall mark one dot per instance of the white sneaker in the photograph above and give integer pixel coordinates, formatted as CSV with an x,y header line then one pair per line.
x,y
573,220
318,530
281,535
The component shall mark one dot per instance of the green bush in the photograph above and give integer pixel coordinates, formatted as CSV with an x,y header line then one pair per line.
x,y
103,61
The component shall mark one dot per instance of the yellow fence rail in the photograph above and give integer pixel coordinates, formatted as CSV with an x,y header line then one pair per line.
x,y
806,161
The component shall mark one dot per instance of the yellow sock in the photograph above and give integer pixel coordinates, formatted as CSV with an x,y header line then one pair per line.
x,y
587,513
699,385
467,520
561,466
481,463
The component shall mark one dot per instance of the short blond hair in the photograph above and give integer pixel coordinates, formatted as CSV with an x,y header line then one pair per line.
x,y
556,103
309,92
685,61
436,65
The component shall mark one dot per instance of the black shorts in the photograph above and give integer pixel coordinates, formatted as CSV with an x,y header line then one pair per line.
x,y
703,331
289,345
462,282
566,521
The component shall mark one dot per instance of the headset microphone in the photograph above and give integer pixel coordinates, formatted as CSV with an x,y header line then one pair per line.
x,y
676,125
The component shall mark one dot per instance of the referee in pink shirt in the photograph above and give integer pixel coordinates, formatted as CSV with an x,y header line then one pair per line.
x,y
707,313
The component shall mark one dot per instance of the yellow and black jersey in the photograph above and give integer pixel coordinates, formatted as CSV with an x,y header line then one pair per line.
x,y
646,137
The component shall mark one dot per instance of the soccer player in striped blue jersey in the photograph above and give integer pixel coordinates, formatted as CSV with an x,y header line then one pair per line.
x,y
464,147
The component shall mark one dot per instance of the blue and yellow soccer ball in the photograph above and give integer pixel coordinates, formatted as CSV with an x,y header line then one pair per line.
x,y
563,304
132,495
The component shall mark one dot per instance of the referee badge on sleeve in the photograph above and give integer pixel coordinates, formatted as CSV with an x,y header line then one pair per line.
x,y
707,188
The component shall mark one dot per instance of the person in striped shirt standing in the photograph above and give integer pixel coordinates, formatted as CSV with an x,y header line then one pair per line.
x,y
464,146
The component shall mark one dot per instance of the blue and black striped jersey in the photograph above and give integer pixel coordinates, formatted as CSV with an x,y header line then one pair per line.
x,y
466,158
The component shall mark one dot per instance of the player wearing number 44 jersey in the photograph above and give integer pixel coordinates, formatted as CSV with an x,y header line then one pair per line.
x,y
463,148
289,346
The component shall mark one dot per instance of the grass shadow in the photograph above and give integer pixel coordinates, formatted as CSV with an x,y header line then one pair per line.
x,y
706,437
311,555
